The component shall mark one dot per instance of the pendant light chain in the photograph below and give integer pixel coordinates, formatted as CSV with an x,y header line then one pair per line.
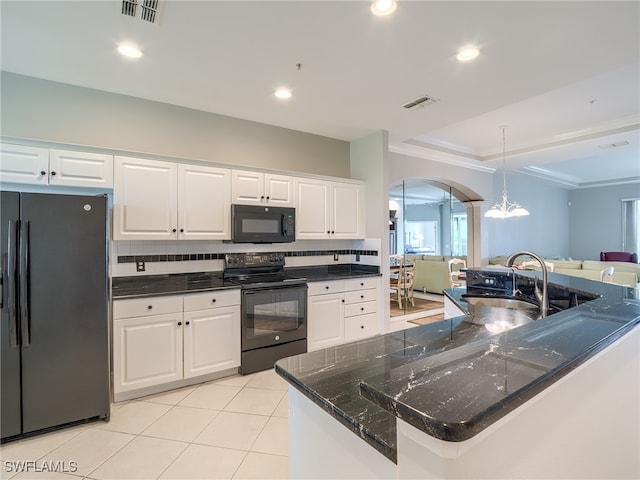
x,y
505,209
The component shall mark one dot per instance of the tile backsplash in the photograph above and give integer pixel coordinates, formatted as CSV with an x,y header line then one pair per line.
x,y
163,257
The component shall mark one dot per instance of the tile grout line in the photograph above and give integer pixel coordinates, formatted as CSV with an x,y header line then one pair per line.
x,y
98,425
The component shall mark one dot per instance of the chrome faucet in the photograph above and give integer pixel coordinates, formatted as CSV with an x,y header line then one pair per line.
x,y
543,297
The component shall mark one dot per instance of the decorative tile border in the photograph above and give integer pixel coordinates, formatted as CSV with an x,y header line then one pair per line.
x,y
220,256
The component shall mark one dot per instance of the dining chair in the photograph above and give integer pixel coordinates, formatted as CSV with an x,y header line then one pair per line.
x,y
455,276
403,284
606,275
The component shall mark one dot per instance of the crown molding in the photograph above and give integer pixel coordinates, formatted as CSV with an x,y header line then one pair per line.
x,y
438,156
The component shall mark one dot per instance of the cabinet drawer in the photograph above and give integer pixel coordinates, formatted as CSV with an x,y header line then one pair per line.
x,y
214,299
141,307
360,283
361,326
361,296
320,288
360,308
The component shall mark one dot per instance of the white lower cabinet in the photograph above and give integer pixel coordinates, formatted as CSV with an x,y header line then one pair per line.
x,y
147,351
325,320
161,340
211,336
342,311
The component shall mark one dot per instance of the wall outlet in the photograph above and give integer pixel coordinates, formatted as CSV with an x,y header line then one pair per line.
x,y
140,267
335,257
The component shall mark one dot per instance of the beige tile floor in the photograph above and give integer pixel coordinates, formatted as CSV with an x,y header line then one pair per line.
x,y
232,428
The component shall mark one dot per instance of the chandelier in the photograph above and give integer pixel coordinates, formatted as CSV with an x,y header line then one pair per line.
x,y
505,208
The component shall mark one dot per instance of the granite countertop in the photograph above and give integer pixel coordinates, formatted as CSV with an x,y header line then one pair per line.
x,y
453,378
337,271
181,283
168,284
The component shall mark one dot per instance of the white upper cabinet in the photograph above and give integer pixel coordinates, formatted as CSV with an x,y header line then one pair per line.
x,y
80,169
257,188
145,200
20,164
328,209
312,212
278,190
156,200
41,166
347,210
204,209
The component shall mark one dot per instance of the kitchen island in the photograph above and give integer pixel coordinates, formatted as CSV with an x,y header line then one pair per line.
x,y
551,398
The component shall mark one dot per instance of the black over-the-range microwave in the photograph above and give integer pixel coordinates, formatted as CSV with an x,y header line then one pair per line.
x,y
262,224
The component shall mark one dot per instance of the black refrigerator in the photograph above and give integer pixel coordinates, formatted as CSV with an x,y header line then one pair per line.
x,y
54,334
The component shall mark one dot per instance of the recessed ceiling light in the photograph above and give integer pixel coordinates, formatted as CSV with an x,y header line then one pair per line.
x,y
283,93
383,7
129,50
467,53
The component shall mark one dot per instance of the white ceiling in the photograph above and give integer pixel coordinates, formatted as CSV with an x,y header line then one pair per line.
x,y
564,77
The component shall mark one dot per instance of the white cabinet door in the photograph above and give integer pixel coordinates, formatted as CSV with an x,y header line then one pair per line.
x,y
325,321
80,169
211,340
145,200
257,188
247,187
329,210
204,209
312,212
347,211
278,190
147,351
41,166
21,164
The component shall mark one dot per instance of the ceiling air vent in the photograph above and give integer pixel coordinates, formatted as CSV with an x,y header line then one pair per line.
x,y
149,11
130,7
422,102
146,10
622,143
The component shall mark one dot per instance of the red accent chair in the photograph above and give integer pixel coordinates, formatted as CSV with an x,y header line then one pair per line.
x,y
618,257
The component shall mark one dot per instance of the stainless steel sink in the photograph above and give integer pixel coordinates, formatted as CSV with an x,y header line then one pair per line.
x,y
501,313
498,302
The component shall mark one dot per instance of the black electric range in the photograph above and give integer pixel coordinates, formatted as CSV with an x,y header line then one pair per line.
x,y
273,309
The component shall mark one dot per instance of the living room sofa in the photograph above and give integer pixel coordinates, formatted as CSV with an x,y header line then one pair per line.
x,y
432,272
624,273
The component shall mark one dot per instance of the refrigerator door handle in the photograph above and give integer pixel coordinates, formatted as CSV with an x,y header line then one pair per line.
x,y
10,280
24,285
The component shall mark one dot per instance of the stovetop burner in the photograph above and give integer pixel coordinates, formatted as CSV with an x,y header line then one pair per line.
x,y
256,270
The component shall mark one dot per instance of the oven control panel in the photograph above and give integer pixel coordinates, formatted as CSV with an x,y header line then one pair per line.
x,y
242,260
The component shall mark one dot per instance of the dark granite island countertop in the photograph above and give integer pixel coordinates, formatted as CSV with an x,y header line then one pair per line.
x,y
454,378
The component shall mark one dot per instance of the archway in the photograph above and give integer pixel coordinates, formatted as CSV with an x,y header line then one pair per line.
x,y
430,222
